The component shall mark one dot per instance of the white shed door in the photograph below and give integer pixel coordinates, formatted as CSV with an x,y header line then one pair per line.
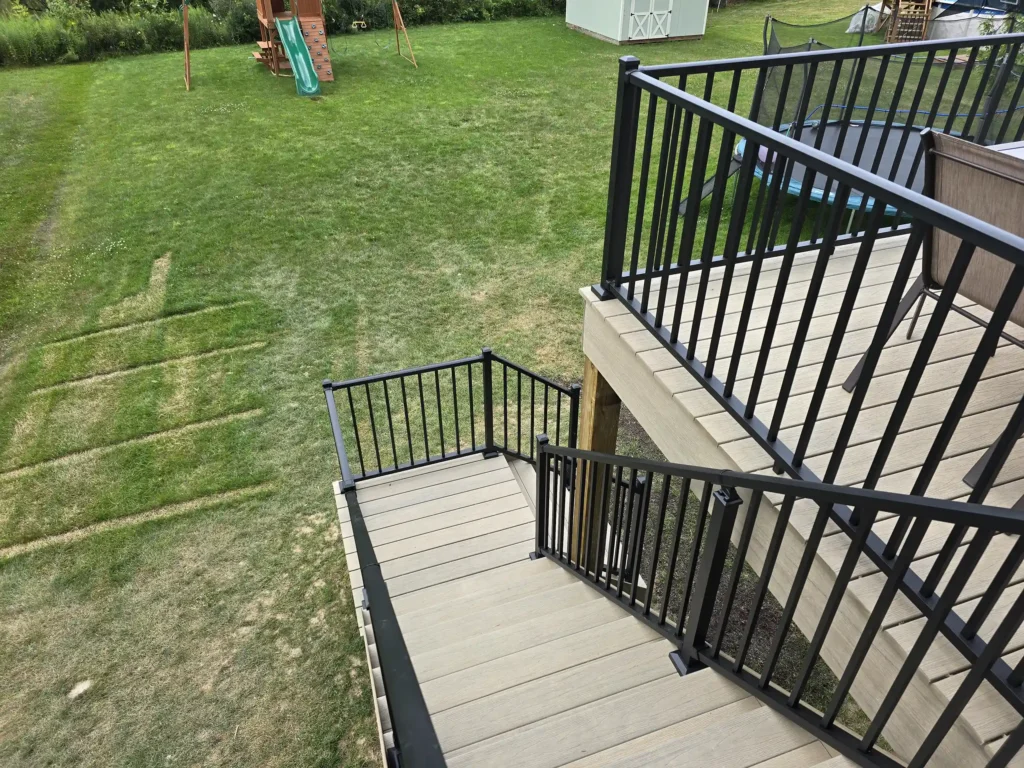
x,y
649,18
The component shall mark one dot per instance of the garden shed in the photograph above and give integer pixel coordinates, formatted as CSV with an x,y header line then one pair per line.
x,y
638,21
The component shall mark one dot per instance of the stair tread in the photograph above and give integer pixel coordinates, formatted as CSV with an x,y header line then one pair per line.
x,y
535,662
593,734
740,742
435,634
530,574
534,630
516,707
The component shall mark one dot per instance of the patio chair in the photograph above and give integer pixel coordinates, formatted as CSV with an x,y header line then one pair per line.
x,y
988,185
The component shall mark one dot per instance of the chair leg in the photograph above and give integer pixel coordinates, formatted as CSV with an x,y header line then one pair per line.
x,y
916,292
971,478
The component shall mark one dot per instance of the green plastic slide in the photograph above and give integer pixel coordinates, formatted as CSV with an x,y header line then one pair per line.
x,y
306,81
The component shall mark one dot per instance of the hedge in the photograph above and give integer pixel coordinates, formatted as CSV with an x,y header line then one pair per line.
x,y
68,32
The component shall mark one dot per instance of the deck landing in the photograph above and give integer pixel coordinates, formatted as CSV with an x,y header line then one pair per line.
x,y
522,664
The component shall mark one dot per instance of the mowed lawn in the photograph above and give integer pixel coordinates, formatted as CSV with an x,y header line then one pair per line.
x,y
178,272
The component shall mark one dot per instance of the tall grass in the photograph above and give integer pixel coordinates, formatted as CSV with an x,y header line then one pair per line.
x,y
49,39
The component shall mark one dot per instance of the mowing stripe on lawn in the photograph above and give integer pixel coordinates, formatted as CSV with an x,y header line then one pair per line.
x,y
122,372
103,449
158,513
143,323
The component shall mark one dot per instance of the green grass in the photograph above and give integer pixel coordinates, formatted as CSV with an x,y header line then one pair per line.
x,y
406,217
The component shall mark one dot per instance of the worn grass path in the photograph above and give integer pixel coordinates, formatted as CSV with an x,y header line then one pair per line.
x,y
178,271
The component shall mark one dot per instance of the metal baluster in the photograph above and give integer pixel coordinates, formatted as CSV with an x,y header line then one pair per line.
x,y
666,483
641,200
807,317
640,536
691,566
355,429
455,405
440,421
781,285
761,590
993,54
739,560
677,191
835,597
602,529
423,417
624,543
874,623
658,213
472,409
614,533
913,380
373,428
684,498
391,423
408,423
795,591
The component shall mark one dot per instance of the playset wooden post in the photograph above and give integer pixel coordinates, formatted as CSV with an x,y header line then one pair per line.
x,y
400,28
188,61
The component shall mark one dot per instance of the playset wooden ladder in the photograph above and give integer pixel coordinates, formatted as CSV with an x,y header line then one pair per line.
x,y
909,21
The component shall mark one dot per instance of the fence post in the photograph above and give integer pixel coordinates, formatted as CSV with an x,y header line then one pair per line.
x,y
574,414
542,496
709,577
487,357
620,180
992,103
347,483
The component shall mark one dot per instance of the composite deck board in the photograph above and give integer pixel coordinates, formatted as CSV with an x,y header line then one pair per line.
x,y
690,427
518,661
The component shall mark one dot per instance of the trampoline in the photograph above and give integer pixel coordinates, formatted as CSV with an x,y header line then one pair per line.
x,y
831,131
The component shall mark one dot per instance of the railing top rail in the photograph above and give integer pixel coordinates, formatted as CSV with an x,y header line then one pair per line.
x,y
377,377
834,54
913,204
566,390
982,515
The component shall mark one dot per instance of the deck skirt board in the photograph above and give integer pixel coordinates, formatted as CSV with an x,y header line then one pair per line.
x,y
518,661
690,427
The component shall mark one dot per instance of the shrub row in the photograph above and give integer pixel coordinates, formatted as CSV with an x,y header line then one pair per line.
x,y
48,39
68,31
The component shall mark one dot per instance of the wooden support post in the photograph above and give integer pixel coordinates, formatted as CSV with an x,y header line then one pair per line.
x,y
598,431
188,60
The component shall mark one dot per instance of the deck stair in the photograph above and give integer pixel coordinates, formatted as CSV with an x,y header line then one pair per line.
x,y
518,662
692,428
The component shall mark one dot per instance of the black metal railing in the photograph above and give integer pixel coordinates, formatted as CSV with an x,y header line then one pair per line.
x,y
668,543
711,285
390,422
708,213
865,106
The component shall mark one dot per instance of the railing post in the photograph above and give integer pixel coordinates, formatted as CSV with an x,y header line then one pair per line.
x,y
709,577
487,357
347,483
620,180
542,495
574,414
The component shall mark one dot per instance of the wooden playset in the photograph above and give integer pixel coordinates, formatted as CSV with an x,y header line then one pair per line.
x,y
311,21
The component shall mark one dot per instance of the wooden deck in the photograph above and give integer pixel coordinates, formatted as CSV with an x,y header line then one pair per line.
x,y
522,664
690,427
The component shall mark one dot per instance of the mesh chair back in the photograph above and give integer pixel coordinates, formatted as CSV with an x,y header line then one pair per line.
x,y
986,184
